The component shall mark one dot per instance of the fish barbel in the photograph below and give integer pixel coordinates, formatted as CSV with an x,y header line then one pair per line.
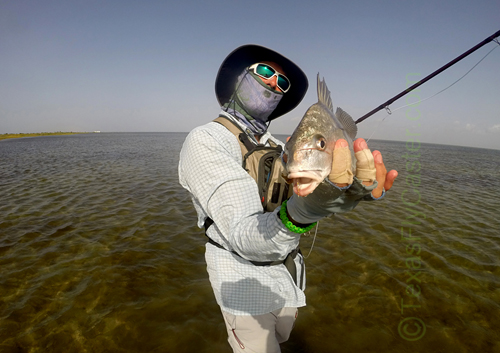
x,y
310,148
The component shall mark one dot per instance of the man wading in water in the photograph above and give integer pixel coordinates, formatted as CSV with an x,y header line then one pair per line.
x,y
253,262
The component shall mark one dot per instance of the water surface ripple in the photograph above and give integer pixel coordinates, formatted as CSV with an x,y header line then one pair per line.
x,y
100,252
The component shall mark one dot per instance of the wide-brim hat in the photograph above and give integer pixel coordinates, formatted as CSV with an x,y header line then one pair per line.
x,y
246,55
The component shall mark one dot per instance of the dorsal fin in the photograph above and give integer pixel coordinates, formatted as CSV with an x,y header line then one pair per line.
x,y
347,122
324,94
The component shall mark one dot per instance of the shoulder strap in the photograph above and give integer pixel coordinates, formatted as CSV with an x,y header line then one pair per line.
x,y
245,144
235,129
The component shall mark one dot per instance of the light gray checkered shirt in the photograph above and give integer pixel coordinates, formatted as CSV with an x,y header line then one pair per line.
x,y
210,168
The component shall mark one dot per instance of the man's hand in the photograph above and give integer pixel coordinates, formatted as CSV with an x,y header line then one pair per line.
x,y
369,166
328,199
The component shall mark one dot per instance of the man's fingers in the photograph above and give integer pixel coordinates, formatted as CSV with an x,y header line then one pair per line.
x,y
341,173
365,166
381,174
359,144
384,178
389,180
369,167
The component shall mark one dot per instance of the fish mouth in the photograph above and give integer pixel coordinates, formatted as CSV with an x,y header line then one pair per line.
x,y
305,182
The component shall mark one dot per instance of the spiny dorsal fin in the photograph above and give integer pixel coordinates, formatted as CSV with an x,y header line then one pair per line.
x,y
324,94
347,122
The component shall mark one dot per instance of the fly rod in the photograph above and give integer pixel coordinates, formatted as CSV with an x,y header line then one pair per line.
x,y
427,78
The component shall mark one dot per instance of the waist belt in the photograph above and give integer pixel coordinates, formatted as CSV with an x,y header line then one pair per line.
x,y
288,261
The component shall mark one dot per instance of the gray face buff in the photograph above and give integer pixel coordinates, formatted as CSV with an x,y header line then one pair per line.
x,y
256,98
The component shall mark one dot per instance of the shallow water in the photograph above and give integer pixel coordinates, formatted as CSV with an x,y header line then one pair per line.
x,y
99,252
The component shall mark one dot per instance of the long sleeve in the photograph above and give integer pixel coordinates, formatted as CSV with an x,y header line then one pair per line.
x,y
210,169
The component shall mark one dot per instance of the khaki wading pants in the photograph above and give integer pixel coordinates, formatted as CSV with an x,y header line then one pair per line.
x,y
260,333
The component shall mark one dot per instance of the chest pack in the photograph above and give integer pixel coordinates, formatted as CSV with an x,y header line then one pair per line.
x,y
264,165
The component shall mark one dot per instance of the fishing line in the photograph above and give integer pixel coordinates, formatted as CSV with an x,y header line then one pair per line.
x,y
389,112
312,245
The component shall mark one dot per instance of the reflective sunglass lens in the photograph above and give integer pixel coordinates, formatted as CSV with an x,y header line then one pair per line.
x,y
283,83
265,71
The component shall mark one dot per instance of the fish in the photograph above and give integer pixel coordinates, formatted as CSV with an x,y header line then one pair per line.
x,y
309,150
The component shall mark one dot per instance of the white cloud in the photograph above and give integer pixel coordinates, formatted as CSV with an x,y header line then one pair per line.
x,y
470,127
494,128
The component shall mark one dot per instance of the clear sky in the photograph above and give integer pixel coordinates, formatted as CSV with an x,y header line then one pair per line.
x,y
120,66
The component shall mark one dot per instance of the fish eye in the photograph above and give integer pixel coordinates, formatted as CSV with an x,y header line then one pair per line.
x,y
320,142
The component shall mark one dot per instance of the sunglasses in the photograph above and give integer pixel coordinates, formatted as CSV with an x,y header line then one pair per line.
x,y
266,71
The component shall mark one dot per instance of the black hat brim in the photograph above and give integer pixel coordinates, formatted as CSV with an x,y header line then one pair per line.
x,y
246,55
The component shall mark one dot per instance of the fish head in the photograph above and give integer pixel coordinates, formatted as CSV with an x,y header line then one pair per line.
x,y
310,150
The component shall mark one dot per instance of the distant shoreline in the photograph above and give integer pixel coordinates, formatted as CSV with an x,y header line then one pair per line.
x,y
21,135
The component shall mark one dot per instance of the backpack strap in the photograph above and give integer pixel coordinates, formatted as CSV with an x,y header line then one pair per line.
x,y
245,144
